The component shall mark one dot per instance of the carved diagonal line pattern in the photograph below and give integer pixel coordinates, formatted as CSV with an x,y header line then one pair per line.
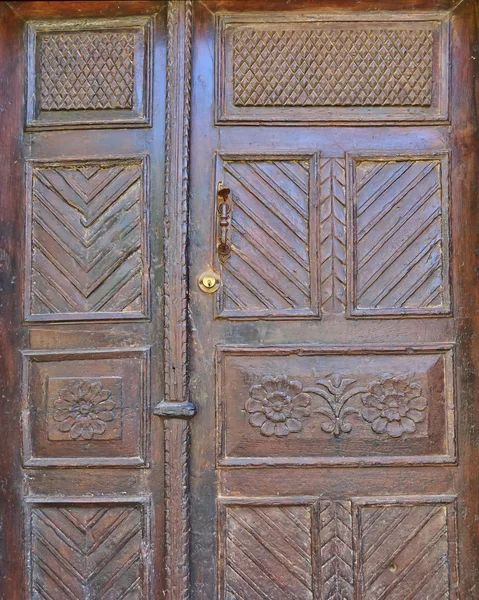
x,y
268,553
333,235
86,70
336,543
398,230
269,267
404,552
81,553
333,67
87,240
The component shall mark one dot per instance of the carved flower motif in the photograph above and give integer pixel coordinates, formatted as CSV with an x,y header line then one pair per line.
x,y
277,406
394,405
84,410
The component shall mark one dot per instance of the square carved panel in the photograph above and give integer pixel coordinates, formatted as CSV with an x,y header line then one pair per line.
x,y
398,242
83,549
86,408
89,73
335,406
326,68
87,240
272,271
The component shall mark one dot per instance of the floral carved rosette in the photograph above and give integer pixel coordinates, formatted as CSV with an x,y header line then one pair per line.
x,y
84,410
394,405
278,406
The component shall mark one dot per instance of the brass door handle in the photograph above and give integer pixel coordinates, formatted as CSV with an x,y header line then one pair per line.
x,y
223,211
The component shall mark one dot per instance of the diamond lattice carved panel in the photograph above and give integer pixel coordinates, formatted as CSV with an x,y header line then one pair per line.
x,y
86,70
338,67
93,73
304,68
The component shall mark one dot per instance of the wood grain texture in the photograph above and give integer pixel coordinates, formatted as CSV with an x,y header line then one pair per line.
x,y
336,550
93,73
399,236
268,553
321,67
82,551
177,431
88,241
271,272
405,551
332,177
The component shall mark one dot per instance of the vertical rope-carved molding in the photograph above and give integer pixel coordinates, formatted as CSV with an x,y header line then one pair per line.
x,y
176,406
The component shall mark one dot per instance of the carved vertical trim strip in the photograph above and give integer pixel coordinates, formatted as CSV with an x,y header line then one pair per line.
x,y
336,550
176,402
333,235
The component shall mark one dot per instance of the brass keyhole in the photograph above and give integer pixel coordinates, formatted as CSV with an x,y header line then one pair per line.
x,y
209,282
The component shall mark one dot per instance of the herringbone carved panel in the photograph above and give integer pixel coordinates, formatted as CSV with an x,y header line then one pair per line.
x,y
86,552
88,241
271,271
404,552
399,239
268,553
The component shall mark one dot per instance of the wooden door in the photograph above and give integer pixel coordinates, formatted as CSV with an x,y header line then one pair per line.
x,y
239,300
332,196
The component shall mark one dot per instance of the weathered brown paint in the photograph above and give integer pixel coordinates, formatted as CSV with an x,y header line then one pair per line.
x,y
299,479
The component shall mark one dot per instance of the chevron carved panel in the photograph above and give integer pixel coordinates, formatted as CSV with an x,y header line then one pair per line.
x,y
268,553
333,234
336,550
404,552
399,239
87,551
88,241
271,271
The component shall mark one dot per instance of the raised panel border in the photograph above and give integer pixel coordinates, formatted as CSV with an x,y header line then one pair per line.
x,y
393,313
314,312
143,502
32,461
449,501
447,350
226,113
143,161
224,502
140,116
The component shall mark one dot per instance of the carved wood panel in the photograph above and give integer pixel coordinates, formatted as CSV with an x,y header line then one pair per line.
x,y
398,254
406,549
330,406
272,270
324,68
88,549
87,246
93,75
86,408
267,551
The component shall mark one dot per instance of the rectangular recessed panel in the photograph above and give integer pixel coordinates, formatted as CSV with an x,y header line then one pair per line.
x,y
320,405
332,68
81,551
405,549
399,236
86,408
88,73
267,553
272,270
87,244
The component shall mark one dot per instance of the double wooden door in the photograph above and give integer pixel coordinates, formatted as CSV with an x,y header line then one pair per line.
x,y
239,300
